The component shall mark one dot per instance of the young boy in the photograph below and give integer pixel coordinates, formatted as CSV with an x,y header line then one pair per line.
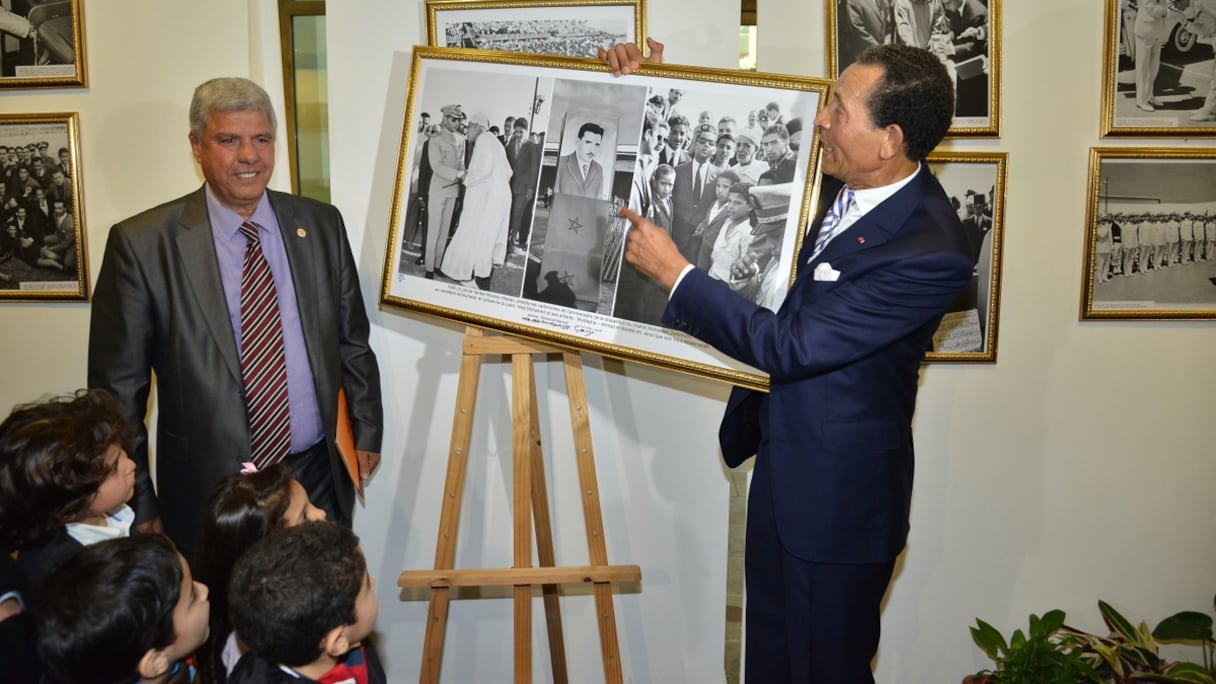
x,y
120,611
706,234
302,601
64,478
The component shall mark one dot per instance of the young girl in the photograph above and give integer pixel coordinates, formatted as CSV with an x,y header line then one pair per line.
x,y
65,478
242,509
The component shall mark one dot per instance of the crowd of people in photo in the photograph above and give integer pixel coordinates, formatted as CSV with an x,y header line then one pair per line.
x,y
1134,243
36,213
571,37
721,188
472,189
83,598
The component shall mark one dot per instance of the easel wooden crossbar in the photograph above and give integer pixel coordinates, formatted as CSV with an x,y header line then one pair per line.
x,y
531,509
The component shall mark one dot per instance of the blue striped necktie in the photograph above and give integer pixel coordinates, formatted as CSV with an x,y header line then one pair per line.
x,y
832,220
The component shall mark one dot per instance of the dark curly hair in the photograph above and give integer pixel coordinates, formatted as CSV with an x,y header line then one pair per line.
x,y
915,94
293,587
100,610
52,461
242,509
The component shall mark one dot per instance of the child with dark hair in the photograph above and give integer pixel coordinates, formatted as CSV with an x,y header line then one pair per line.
x,y
120,611
243,508
736,234
302,600
65,478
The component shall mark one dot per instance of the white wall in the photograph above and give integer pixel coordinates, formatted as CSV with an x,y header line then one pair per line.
x,y
1079,467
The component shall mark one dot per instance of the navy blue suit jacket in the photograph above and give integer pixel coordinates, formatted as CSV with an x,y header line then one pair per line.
x,y
843,358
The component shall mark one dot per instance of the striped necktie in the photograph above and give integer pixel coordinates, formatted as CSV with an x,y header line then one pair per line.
x,y
832,220
263,362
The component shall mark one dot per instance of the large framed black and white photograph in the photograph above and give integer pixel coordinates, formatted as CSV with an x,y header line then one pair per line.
x,y
1150,234
964,34
522,234
975,182
570,28
42,250
1159,75
42,44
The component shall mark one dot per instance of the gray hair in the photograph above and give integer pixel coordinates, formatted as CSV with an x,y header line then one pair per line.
x,y
228,95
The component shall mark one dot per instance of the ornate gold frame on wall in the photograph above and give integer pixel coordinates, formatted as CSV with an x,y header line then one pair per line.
x,y
1171,120
49,45
1134,287
22,129
952,341
505,10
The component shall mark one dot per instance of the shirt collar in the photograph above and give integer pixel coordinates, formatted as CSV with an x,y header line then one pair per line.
x,y
228,223
871,197
118,524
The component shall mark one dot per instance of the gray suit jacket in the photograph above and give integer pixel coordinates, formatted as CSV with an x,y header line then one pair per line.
x,y
159,307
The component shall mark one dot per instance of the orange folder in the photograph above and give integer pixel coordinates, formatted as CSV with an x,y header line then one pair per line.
x,y
346,444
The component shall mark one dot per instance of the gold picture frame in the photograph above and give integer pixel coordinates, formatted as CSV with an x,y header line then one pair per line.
x,y
568,284
43,255
547,25
853,25
968,332
1142,257
43,45
1178,92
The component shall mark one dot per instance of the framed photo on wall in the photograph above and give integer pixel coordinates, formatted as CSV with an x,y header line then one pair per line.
x,y
42,249
42,44
1150,234
964,34
523,234
975,182
571,28
1158,76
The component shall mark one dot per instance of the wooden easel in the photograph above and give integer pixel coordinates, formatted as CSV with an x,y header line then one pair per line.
x,y
531,503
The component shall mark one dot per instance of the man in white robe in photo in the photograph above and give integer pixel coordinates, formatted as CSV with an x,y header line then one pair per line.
x,y
487,209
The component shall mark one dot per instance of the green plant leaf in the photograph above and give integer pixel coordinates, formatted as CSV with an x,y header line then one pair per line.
x,y
1190,672
988,639
1185,626
1116,622
1052,621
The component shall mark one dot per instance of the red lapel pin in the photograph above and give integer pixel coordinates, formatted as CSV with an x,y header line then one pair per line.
x,y
861,240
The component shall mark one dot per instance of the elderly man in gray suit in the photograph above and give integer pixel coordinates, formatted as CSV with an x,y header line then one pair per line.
x,y
246,305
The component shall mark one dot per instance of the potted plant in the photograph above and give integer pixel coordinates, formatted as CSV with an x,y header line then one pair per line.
x,y
1052,652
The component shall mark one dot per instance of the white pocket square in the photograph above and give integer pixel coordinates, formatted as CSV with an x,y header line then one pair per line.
x,y
824,271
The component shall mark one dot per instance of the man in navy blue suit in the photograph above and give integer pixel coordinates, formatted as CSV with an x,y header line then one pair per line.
x,y
831,490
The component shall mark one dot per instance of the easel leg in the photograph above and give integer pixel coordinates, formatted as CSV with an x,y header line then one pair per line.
x,y
576,390
449,517
522,372
544,547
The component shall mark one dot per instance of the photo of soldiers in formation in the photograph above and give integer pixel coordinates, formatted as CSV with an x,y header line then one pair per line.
x,y
1135,244
1152,236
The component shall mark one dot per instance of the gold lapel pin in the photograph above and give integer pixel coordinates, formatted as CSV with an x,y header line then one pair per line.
x,y
301,232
